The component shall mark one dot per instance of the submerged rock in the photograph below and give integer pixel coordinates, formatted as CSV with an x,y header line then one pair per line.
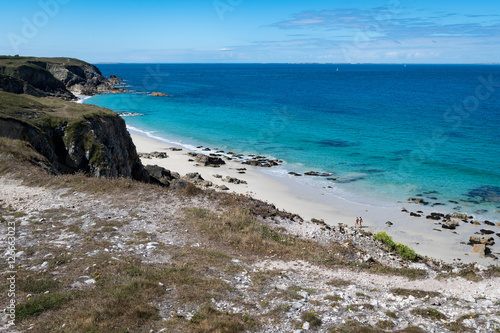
x,y
159,94
318,174
486,193
418,201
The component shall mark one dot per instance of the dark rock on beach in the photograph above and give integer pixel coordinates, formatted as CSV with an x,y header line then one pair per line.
x,y
261,161
161,175
488,241
460,216
154,154
233,180
206,160
480,249
452,225
435,216
474,240
484,240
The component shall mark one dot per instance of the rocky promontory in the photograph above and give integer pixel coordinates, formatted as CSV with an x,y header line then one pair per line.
x,y
56,77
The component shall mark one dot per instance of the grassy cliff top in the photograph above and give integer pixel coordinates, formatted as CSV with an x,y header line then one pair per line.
x,y
19,61
47,110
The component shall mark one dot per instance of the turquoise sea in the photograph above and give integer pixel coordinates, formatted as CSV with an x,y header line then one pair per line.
x,y
384,131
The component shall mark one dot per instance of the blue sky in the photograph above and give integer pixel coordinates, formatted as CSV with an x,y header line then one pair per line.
x,y
233,31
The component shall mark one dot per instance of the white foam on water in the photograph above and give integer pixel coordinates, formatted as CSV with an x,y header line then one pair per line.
x,y
81,98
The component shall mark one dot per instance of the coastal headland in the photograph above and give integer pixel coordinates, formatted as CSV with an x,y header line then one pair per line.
x,y
114,231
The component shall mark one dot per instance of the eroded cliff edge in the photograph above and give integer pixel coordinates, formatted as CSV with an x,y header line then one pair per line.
x,y
71,137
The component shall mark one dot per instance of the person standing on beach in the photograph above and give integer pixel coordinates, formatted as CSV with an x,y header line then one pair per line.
x,y
357,222
360,222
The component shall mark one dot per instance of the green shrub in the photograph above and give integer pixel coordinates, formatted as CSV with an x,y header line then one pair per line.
x,y
404,251
385,238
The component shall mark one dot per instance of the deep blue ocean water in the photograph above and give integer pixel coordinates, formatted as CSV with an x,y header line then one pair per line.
x,y
384,131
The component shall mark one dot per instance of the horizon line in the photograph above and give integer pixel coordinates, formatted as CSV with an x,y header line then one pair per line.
x,y
291,63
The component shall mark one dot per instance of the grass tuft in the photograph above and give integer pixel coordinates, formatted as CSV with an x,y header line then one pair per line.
x,y
41,303
429,313
311,318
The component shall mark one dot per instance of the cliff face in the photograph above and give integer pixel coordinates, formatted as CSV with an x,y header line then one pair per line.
x,y
72,137
102,147
57,77
17,86
44,82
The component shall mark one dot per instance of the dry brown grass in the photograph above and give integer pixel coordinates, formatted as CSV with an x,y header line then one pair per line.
x,y
17,158
415,293
238,229
123,298
208,319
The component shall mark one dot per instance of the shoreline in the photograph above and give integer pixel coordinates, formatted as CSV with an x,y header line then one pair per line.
x,y
313,203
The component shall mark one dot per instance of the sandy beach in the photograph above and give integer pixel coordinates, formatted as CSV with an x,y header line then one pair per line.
x,y
423,235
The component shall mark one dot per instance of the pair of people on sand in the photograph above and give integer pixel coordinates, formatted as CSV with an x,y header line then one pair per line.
x,y
359,222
